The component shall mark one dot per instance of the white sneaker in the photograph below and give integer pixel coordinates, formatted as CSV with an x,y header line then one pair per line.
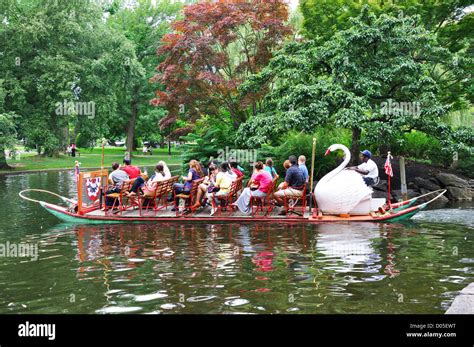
x,y
213,210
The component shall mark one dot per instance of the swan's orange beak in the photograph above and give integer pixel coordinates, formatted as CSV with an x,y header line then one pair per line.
x,y
327,152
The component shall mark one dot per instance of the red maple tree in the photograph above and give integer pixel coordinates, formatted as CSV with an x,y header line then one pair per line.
x,y
211,52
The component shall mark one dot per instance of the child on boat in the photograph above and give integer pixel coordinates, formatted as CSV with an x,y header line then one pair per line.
x,y
270,169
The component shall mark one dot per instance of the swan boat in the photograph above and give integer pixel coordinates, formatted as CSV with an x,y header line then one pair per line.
x,y
340,196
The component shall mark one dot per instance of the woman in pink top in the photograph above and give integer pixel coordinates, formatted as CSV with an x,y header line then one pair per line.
x,y
259,185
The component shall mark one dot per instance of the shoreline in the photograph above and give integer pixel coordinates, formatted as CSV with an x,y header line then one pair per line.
x,y
19,172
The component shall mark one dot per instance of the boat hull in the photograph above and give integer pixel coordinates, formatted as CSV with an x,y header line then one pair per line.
x,y
65,215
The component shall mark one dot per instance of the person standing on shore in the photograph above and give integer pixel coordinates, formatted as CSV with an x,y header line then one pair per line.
x,y
73,149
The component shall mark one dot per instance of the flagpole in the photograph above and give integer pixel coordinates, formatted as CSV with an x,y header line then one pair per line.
x,y
313,155
389,158
102,184
76,176
102,158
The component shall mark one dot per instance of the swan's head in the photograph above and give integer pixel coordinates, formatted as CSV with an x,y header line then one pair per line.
x,y
333,148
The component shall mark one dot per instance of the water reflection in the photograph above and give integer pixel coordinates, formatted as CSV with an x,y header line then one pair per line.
x,y
234,268
187,265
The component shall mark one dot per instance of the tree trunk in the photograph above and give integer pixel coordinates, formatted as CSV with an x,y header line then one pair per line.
x,y
64,139
3,160
131,124
355,146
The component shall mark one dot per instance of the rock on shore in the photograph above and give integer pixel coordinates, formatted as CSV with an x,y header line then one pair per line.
x,y
422,179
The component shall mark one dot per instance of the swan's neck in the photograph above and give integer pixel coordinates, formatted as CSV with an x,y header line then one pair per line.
x,y
341,167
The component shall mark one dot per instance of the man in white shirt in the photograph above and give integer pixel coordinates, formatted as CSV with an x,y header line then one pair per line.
x,y
368,169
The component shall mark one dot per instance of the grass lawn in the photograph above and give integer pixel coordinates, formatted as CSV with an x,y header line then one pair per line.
x,y
92,158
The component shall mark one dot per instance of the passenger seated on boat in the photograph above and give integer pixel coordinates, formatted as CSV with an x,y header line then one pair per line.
x,y
166,170
293,184
259,185
368,169
150,186
226,169
134,173
131,170
204,169
304,169
194,173
270,169
207,186
222,185
117,177
234,166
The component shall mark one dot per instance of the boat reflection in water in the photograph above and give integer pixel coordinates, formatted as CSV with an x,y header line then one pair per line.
x,y
181,265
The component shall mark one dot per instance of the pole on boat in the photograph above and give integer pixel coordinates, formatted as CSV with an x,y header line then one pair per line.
x,y
102,185
313,155
389,174
103,155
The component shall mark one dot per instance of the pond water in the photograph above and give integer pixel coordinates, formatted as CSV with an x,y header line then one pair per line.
x,y
415,267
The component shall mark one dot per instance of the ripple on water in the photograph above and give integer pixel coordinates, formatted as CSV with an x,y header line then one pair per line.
x,y
201,298
170,306
236,302
150,297
455,216
118,309
136,260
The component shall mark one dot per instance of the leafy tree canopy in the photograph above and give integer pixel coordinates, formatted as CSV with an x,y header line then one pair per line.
x,y
357,80
211,52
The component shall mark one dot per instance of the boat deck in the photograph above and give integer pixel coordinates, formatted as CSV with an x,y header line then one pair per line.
x,y
204,212
229,215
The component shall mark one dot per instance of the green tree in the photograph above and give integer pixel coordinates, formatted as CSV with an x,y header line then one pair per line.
x,y
51,48
351,81
449,19
215,47
7,137
144,24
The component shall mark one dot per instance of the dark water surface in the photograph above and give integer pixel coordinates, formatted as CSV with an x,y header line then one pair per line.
x,y
416,267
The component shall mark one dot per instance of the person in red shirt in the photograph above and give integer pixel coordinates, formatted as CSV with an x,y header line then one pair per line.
x,y
132,171
235,169
260,184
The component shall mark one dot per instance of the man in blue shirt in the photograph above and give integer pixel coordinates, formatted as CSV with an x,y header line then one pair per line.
x,y
302,166
293,184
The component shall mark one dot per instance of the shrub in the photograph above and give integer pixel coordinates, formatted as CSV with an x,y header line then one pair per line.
x,y
205,141
301,144
466,164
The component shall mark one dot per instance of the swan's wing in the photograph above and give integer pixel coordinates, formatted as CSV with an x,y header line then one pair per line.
x,y
342,193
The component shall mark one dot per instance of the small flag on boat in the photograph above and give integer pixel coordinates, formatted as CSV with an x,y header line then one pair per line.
x,y
388,165
93,185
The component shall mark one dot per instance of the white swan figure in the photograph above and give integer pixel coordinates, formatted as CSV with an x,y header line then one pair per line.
x,y
343,191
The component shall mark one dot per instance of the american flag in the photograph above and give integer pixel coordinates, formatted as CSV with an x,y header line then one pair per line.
x,y
388,165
